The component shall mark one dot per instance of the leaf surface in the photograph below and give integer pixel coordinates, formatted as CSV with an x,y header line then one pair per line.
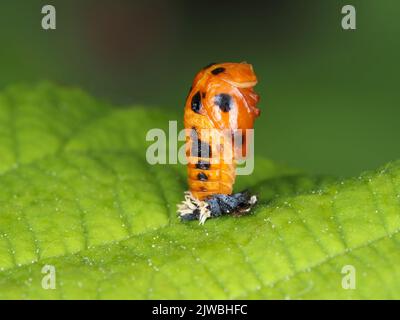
x,y
76,192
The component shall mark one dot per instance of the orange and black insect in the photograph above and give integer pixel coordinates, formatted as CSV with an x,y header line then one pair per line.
x,y
221,104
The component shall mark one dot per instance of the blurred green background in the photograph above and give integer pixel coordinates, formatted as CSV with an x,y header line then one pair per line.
x,y
329,97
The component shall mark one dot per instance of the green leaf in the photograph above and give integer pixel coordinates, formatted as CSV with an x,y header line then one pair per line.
x,y
77,193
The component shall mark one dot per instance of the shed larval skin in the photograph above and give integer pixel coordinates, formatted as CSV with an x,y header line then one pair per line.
x,y
220,102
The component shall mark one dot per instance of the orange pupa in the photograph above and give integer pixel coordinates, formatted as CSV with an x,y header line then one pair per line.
x,y
220,107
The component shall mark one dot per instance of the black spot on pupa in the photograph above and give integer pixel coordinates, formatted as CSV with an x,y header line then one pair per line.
x,y
223,101
202,176
203,95
199,148
196,102
203,165
210,65
218,71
